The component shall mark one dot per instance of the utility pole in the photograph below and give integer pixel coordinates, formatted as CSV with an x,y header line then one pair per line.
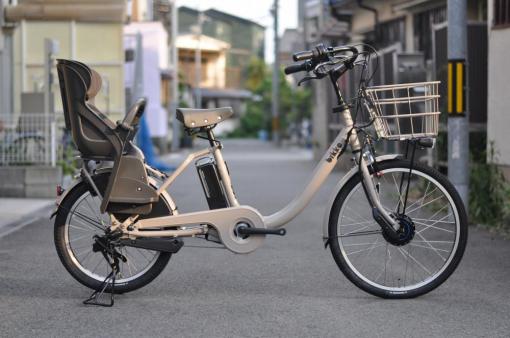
x,y
198,61
174,90
458,112
276,79
3,93
7,63
51,48
138,76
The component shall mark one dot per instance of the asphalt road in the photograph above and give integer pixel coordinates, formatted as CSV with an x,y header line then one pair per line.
x,y
290,287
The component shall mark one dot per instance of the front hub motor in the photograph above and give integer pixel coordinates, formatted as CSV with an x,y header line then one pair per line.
x,y
405,231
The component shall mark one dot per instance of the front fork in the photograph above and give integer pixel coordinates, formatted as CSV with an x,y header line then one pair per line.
x,y
388,223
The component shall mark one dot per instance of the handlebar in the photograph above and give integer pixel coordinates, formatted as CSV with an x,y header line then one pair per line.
x,y
319,54
304,55
298,67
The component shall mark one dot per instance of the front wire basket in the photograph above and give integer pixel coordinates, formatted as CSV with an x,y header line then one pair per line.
x,y
404,111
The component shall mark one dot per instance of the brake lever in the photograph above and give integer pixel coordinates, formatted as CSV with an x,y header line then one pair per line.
x,y
317,76
306,78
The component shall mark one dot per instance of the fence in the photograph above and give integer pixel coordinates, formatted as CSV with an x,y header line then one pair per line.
x,y
31,139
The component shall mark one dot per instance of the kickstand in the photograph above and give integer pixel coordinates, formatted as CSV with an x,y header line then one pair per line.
x,y
96,296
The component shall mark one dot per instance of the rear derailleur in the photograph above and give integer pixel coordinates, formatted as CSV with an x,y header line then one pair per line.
x,y
107,245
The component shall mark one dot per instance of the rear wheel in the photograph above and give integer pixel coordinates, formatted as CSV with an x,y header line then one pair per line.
x,y
433,226
78,220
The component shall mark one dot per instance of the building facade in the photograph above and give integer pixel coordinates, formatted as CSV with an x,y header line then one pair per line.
x,y
213,60
245,38
78,27
411,39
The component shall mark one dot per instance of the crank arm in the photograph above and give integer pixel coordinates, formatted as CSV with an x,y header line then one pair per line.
x,y
261,231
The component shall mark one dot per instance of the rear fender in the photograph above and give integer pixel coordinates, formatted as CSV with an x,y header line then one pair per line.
x,y
153,182
338,187
66,192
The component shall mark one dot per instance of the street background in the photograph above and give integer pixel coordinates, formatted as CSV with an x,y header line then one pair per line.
x,y
208,54
290,287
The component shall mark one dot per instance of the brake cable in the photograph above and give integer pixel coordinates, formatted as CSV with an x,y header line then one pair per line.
x,y
408,178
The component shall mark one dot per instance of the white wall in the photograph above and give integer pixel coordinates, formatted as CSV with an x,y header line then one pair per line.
x,y
155,58
99,45
2,90
498,113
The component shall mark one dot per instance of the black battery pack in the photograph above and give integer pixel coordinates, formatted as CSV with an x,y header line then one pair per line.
x,y
211,183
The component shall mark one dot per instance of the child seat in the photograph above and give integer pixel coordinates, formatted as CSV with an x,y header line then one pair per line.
x,y
98,138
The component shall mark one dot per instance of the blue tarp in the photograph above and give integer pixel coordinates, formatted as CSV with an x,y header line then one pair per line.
x,y
144,142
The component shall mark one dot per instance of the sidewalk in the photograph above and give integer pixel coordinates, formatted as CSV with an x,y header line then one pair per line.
x,y
15,213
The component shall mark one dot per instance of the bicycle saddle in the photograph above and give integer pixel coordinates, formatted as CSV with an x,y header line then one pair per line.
x,y
198,118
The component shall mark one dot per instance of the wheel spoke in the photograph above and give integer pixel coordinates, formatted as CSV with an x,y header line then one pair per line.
x,y
80,228
98,264
406,254
100,221
361,233
357,244
428,220
421,206
423,198
357,223
87,218
367,249
79,238
142,254
401,202
356,214
428,226
431,247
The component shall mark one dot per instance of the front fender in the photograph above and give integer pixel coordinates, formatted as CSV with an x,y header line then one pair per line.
x,y
338,187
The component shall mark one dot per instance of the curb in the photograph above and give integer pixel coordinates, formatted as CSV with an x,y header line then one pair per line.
x,y
20,223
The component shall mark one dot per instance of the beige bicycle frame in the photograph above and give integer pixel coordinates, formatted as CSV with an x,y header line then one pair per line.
x,y
228,217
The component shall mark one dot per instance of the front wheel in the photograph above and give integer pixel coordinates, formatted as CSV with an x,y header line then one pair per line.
x,y
434,225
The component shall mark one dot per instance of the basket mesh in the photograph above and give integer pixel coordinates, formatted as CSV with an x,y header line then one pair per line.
x,y
405,111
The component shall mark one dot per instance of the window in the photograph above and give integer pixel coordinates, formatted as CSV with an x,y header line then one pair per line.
x,y
423,23
393,31
501,13
389,32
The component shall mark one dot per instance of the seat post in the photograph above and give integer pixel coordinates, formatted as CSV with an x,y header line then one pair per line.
x,y
210,137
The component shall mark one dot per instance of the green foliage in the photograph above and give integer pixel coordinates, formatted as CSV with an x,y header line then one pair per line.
x,y
295,104
489,198
251,122
256,74
68,161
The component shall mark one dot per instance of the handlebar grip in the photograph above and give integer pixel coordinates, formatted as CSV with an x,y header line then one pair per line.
x,y
135,113
299,67
300,56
